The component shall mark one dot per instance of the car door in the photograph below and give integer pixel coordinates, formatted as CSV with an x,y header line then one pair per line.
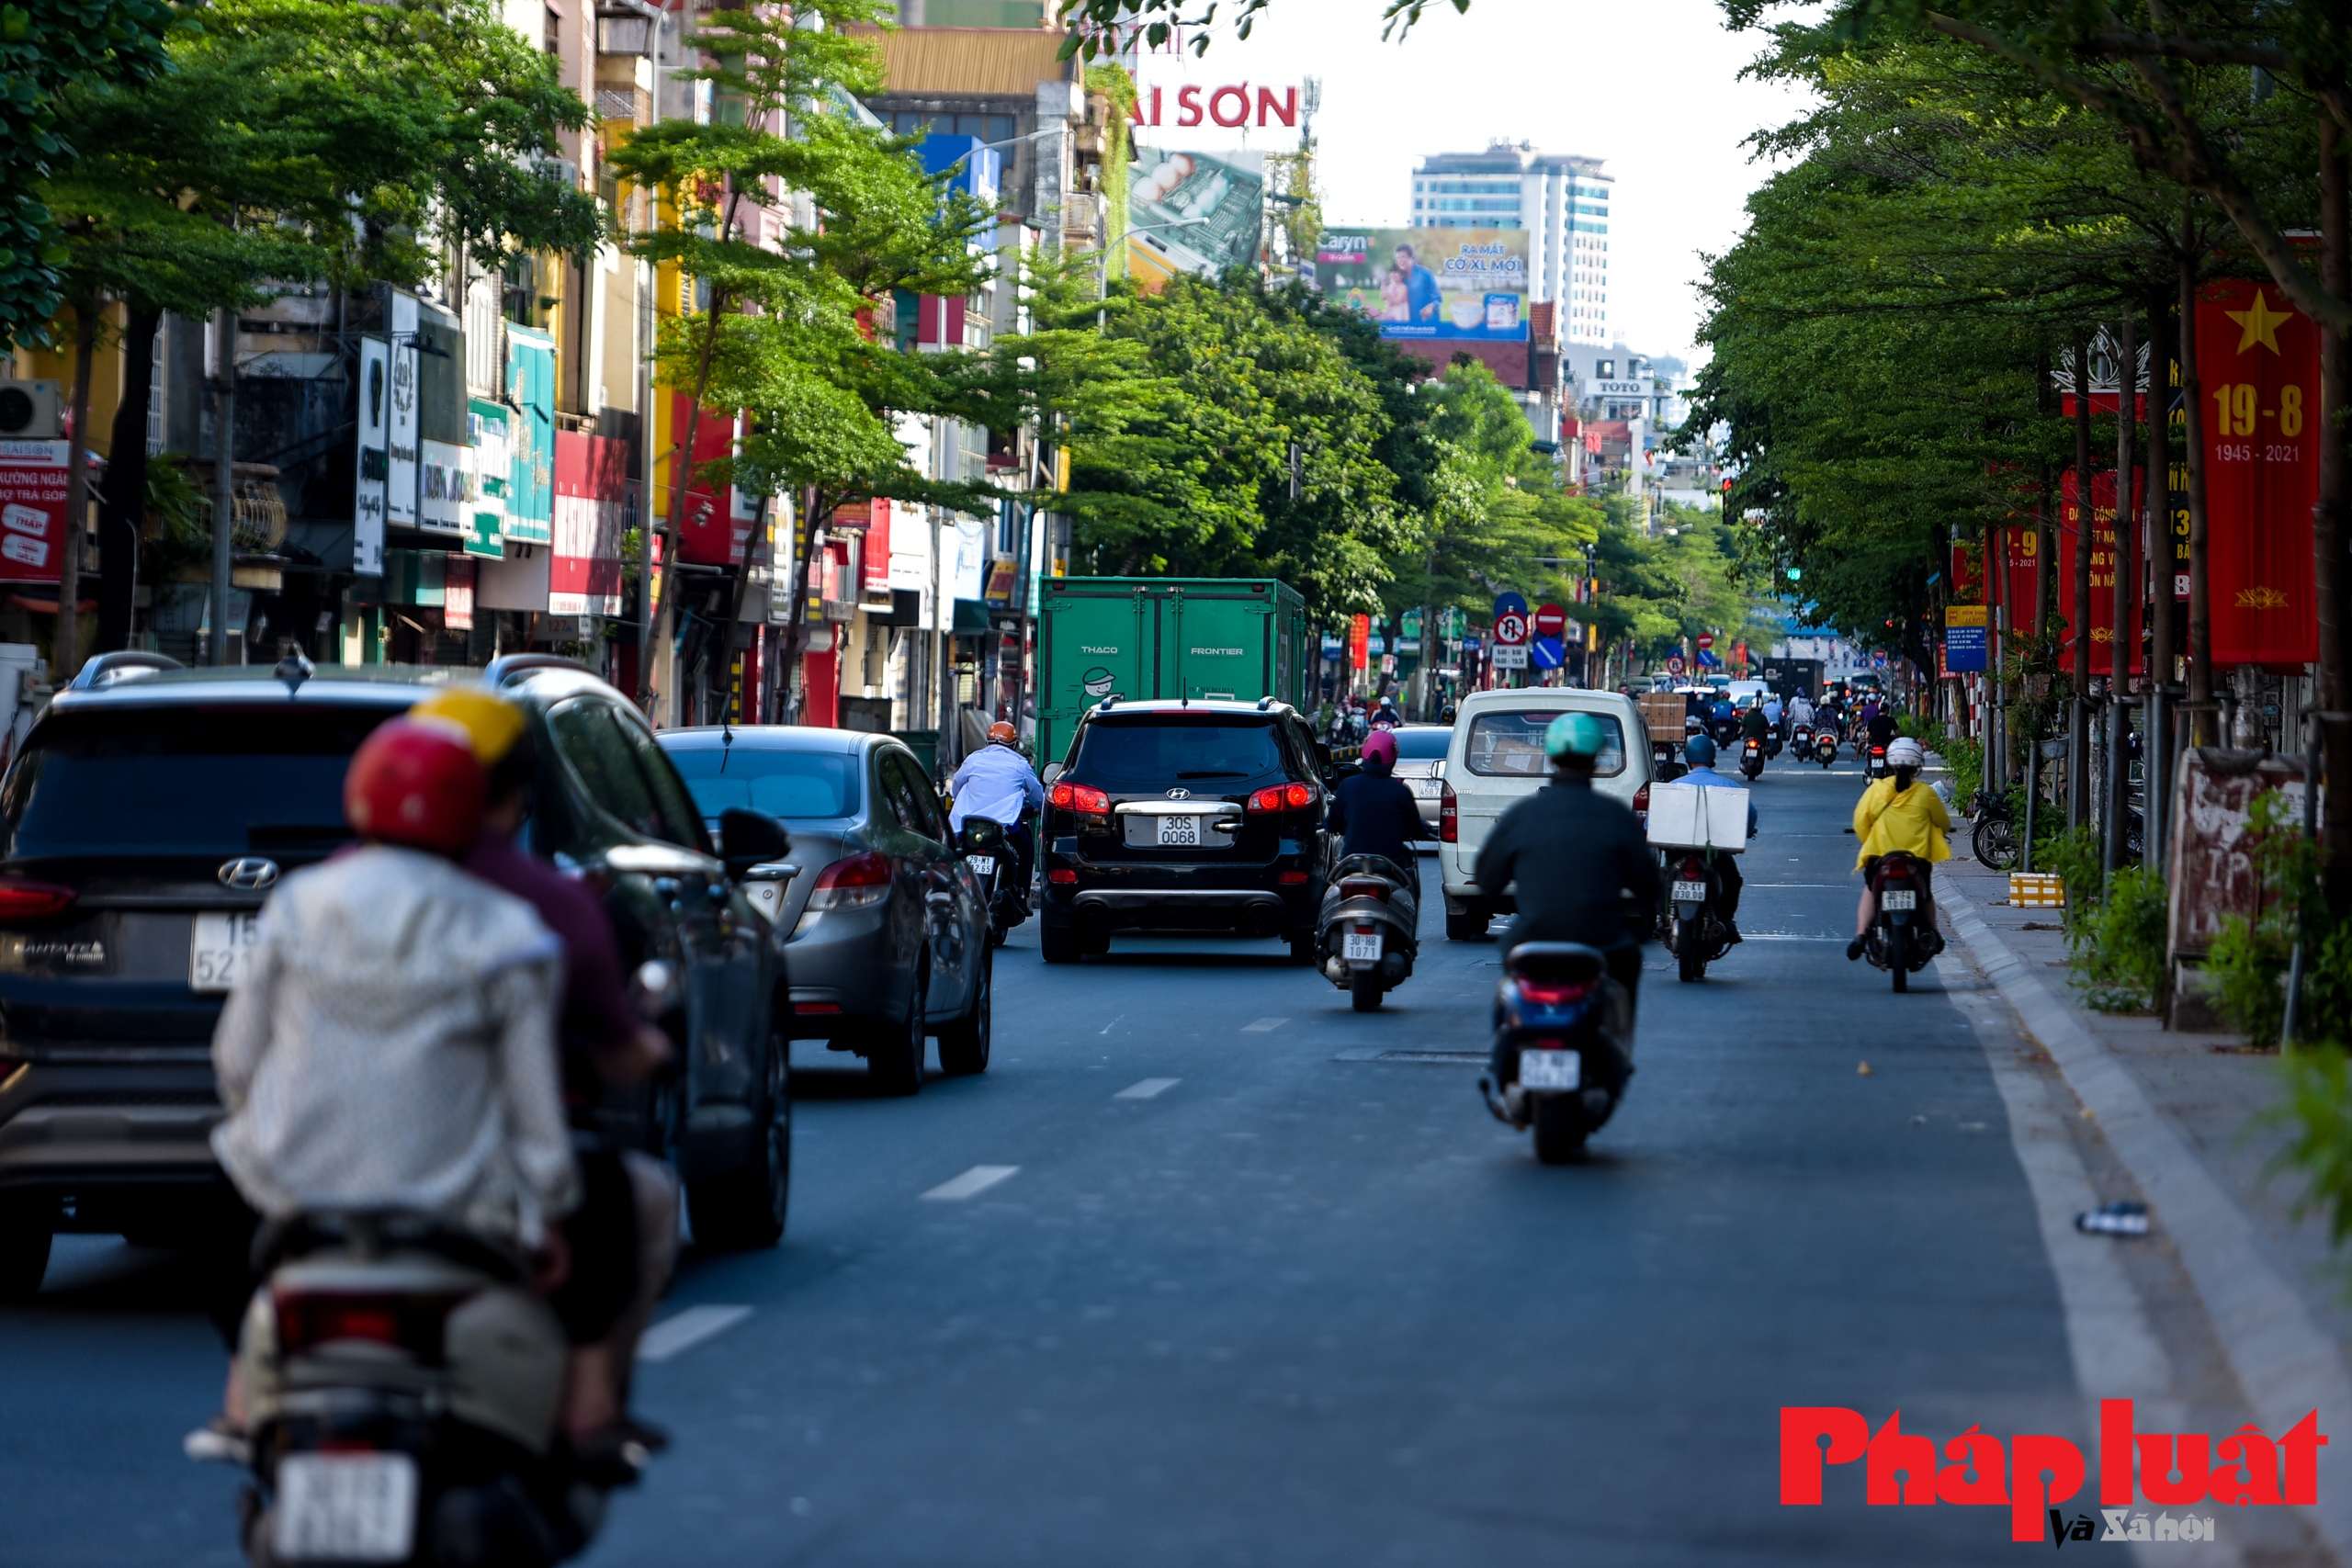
x,y
936,873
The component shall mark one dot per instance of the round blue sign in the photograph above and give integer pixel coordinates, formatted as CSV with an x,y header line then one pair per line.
x,y
1509,604
1547,653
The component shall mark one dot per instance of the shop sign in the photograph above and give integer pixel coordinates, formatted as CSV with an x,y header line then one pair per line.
x,y
32,509
530,385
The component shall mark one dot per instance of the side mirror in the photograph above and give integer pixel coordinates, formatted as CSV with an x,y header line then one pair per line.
x,y
1053,771
748,838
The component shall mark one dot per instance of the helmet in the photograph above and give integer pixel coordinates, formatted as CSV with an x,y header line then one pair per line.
x,y
1380,744
1003,734
1906,753
1574,735
489,726
416,783
1699,752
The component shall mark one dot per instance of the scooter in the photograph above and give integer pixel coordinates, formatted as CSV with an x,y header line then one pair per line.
x,y
1772,742
1800,742
1695,933
1564,1040
987,850
1825,747
1875,767
403,1382
1751,758
1900,940
1369,926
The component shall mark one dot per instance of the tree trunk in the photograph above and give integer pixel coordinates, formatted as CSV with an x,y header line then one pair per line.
x,y
2127,591
65,651
2078,752
2202,731
803,549
122,500
2329,517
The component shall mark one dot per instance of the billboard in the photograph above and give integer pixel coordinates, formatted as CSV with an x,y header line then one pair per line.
x,y
32,509
1453,285
530,435
1199,212
2257,361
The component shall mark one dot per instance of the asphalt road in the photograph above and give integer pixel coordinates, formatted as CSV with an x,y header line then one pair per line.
x,y
1253,1292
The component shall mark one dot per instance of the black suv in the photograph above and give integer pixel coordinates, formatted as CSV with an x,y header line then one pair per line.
x,y
147,814
1184,816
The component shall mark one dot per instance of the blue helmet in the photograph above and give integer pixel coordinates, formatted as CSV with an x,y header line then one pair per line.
x,y
1699,752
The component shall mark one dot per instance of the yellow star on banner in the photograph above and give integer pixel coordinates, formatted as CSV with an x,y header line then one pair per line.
x,y
2260,326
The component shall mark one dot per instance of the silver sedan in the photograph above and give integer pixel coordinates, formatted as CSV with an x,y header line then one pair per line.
x,y
1420,762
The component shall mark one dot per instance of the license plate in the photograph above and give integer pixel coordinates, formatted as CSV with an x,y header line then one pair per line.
x,y
1361,948
1550,1069
346,1507
218,948
1690,892
1898,898
984,865
1181,831
1429,789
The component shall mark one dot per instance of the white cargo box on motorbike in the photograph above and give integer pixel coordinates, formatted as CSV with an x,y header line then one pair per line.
x,y
1699,817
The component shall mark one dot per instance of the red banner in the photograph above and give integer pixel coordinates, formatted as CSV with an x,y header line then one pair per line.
x,y
717,523
2018,548
2258,359
592,492
32,509
1359,642
2101,618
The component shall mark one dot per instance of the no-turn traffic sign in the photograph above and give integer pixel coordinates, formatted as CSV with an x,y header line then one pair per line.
x,y
1510,629
1674,665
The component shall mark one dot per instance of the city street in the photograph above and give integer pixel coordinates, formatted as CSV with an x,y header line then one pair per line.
x,y
1260,1282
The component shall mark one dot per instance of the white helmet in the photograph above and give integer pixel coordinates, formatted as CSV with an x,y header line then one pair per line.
x,y
1906,753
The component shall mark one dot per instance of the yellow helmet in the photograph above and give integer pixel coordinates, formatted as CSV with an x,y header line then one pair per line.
x,y
491,725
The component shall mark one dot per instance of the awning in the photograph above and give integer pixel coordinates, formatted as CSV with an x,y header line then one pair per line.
x,y
971,619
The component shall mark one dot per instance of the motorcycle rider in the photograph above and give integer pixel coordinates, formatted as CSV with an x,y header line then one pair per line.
x,y
1754,725
997,782
1700,753
1898,813
1880,726
1375,814
1386,716
1800,710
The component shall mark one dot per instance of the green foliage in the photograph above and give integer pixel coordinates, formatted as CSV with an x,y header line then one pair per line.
x,y
2117,948
2319,1108
2074,855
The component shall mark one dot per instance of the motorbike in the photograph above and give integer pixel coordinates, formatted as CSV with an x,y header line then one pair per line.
x,y
1825,746
1563,1036
1751,757
1772,741
987,848
1800,742
402,1383
1369,926
1900,940
1666,761
1695,933
1994,840
1726,732
1875,766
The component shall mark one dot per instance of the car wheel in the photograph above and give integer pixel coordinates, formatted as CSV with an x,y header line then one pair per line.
x,y
894,1056
24,1255
1470,925
745,1207
964,1044
1058,945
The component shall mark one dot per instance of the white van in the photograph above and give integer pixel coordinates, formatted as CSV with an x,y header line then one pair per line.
x,y
1497,759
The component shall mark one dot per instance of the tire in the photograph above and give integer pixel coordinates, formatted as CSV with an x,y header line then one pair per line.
x,y
894,1055
964,1044
1365,991
24,1256
1302,948
744,1209
1058,945
1468,926
1995,843
1688,965
1898,956
1559,1129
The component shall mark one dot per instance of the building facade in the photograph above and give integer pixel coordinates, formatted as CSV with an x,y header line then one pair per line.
x,y
1562,199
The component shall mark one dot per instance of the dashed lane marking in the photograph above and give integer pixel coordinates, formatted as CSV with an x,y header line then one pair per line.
x,y
971,1184
1262,1025
677,1335
1146,1088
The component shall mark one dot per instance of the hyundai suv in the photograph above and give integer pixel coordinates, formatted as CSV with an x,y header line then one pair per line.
x,y
1183,817
142,825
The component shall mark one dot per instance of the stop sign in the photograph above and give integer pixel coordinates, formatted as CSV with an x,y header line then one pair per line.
x,y
1550,620
1510,630
1706,639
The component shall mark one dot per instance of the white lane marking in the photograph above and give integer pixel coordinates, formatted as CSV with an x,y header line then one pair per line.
x,y
1146,1088
1113,1024
1262,1025
678,1334
972,1183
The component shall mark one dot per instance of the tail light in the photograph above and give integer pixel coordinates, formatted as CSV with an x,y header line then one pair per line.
x,y
1061,876
411,1321
1552,995
1084,800
1283,797
1449,815
32,900
1359,887
1642,806
1693,868
1291,878
857,883
1548,1044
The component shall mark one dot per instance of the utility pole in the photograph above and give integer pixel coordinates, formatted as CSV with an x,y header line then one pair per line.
x,y
224,483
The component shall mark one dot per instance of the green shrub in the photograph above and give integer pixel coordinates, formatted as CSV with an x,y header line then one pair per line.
x,y
2248,965
2117,949
2073,854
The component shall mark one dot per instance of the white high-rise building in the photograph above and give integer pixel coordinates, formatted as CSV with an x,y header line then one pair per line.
x,y
1561,198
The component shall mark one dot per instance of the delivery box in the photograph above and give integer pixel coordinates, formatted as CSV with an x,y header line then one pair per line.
x,y
1698,815
1662,715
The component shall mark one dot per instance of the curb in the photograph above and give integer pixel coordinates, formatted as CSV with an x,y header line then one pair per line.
x,y
2283,1363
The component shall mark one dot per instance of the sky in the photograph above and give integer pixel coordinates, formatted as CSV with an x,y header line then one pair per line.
x,y
1653,89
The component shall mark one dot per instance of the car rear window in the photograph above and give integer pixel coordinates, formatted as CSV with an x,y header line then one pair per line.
x,y
780,783
1423,745
197,780
1162,749
1511,745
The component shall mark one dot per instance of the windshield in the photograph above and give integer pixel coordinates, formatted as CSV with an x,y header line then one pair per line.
x,y
197,780
1511,745
779,783
1423,745
1151,753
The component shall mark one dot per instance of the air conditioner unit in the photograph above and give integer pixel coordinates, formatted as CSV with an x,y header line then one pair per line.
x,y
31,410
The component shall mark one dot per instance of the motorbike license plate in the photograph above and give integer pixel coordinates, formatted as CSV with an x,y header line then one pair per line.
x,y
983,864
1183,832
1898,898
346,1507
218,948
1550,1069
1690,892
1361,948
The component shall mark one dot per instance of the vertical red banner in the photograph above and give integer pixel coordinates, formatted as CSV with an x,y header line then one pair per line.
x,y
2017,549
2101,619
1967,575
715,526
1359,642
2258,358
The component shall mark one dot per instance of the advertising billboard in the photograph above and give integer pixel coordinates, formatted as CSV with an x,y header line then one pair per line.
x,y
530,435
1199,212
1454,285
32,509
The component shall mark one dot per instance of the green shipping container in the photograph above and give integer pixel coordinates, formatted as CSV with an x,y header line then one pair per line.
x,y
1163,637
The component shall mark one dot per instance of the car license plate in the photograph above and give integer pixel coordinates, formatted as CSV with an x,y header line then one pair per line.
x,y
1550,1069
1181,831
346,1507
984,864
1429,789
1690,892
1361,948
218,948
1898,898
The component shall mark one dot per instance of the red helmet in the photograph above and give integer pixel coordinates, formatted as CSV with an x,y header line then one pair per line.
x,y
416,785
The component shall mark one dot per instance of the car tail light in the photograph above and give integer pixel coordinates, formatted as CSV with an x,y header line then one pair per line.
x,y
1642,806
1356,888
1291,878
32,900
1298,797
1062,875
1552,995
1267,799
1449,815
857,883
411,1321
1083,798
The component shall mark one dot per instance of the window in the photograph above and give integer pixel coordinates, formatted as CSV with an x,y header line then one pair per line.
x,y
1423,744
1511,745
674,813
601,748
794,784
1154,752
909,795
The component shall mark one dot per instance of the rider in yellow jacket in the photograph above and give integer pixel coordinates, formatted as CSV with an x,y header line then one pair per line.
x,y
1898,813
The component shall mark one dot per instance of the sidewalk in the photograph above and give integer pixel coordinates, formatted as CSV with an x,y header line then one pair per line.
x,y
2182,1113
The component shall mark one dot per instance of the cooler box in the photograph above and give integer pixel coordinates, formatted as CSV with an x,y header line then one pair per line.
x,y
1698,815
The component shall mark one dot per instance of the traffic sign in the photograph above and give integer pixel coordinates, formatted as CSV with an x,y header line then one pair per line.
x,y
1509,604
1878,659
1511,656
1674,665
1511,628
1470,644
1706,639
1547,653
1550,620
